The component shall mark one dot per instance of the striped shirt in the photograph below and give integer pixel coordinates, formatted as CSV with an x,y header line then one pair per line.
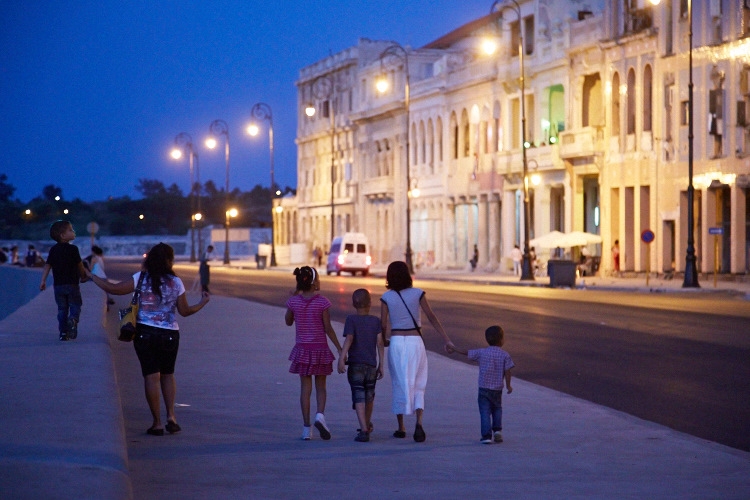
x,y
493,363
308,317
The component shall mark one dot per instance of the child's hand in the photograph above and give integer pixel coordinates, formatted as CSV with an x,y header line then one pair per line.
x,y
379,373
510,389
43,286
342,366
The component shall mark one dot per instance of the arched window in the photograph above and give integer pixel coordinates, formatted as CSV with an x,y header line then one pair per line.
x,y
413,138
615,104
439,134
387,158
631,102
648,97
454,136
422,143
430,146
465,133
497,137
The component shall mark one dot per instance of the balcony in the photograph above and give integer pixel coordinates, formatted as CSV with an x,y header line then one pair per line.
x,y
378,187
580,143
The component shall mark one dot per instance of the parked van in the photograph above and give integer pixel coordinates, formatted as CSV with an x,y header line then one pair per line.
x,y
350,253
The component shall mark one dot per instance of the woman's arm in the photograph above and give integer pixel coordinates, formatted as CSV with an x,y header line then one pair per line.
x,y
449,347
385,324
329,330
186,310
121,288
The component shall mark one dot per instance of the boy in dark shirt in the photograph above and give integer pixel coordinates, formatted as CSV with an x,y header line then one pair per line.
x,y
364,346
67,270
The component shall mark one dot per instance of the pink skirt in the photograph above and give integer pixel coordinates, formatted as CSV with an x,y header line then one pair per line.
x,y
311,359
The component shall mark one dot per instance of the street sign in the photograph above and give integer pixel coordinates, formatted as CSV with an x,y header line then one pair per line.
x,y
715,230
647,236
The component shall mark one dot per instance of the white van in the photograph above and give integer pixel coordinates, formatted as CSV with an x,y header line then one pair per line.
x,y
350,253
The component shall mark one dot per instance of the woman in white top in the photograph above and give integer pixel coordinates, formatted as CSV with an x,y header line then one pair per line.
x,y
407,359
157,336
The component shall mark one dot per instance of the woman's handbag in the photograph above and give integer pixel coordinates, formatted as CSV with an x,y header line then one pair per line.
x,y
129,315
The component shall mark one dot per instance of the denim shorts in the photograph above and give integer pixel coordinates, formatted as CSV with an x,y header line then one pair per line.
x,y
156,349
362,380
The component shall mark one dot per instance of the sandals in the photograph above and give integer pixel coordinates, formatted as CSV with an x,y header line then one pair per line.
x,y
154,432
399,434
172,427
419,435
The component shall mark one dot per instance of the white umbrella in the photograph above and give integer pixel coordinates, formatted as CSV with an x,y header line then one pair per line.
x,y
580,239
549,240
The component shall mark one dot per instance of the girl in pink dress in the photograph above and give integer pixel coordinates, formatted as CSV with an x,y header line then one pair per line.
x,y
311,356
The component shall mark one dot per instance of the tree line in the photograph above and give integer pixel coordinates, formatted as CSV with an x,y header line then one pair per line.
x,y
161,210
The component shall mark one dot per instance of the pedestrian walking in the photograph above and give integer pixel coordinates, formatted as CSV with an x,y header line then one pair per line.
x,y
157,338
407,359
96,266
311,356
363,352
474,259
68,272
204,269
495,366
517,257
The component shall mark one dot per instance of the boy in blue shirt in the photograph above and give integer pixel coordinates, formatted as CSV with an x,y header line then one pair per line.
x,y
364,346
67,270
495,365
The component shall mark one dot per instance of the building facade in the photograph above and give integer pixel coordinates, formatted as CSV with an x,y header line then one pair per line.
x,y
604,100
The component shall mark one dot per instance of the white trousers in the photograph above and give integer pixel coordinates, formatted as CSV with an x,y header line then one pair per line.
x,y
407,363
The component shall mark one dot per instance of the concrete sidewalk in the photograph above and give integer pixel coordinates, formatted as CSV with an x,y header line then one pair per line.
x,y
64,436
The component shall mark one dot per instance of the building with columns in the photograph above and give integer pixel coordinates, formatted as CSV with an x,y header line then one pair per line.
x,y
605,106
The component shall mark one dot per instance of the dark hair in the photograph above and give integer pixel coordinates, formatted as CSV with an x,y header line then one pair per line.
x,y
361,298
97,250
158,265
397,277
305,278
58,228
494,335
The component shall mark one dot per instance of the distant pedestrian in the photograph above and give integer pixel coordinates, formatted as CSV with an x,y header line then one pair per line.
x,y
14,256
204,269
363,352
96,266
311,356
64,261
31,256
517,257
616,256
474,259
407,359
495,366
157,338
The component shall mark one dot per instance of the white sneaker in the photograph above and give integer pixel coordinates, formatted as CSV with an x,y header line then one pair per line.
x,y
498,437
320,424
306,433
486,441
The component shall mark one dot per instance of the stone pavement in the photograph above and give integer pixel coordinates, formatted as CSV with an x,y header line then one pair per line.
x,y
65,431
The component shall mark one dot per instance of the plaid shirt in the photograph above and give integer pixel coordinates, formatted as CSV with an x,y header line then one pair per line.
x,y
493,363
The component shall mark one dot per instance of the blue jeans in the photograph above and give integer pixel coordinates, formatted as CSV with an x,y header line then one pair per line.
x,y
68,298
490,411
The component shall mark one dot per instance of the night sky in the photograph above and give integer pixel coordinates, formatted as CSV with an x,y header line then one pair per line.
x,y
93,93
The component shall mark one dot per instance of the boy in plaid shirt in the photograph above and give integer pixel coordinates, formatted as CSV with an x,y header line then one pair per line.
x,y
495,365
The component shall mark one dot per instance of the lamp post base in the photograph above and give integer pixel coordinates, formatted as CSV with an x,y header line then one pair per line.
x,y
691,274
527,274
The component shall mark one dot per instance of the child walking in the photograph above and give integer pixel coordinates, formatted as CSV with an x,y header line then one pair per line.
x,y
495,365
311,356
67,270
363,352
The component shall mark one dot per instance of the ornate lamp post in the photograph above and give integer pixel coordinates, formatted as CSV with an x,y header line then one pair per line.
x,y
262,111
324,87
220,127
183,141
691,271
527,273
398,53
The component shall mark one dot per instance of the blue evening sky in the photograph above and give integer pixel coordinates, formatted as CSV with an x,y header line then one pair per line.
x,y
93,93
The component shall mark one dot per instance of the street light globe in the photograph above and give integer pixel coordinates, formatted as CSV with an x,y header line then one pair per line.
x,y
536,179
28,211
253,129
232,212
310,110
489,46
65,211
279,209
141,217
210,143
57,198
382,84
198,216
176,153
278,192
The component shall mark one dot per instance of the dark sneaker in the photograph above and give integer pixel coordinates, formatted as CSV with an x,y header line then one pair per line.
x,y
72,328
362,437
63,337
498,437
